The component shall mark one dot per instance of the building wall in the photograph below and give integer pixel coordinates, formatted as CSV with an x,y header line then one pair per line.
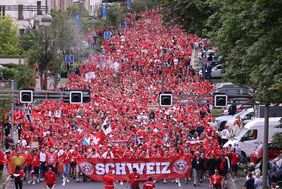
x,y
28,17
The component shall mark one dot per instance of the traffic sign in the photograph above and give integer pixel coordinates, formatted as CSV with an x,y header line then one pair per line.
x,y
69,59
129,4
104,10
107,35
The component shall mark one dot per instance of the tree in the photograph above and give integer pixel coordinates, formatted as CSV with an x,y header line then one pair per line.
x,y
191,14
248,36
8,36
44,44
25,77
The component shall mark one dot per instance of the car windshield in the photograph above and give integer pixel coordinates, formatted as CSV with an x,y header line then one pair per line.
x,y
235,115
241,134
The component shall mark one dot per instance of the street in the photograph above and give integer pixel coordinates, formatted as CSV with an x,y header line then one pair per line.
x,y
99,185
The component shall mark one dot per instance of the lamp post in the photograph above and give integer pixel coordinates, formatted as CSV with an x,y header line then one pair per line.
x,y
46,21
163,67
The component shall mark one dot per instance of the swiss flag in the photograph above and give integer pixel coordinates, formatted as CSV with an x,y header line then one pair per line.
x,y
98,138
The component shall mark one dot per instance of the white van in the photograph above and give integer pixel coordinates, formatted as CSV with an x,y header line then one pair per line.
x,y
252,134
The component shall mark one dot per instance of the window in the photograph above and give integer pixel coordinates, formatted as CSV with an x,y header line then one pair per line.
x,y
2,10
39,12
22,31
250,135
20,12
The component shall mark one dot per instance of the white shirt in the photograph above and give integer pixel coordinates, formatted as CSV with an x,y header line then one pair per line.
x,y
108,155
42,157
225,134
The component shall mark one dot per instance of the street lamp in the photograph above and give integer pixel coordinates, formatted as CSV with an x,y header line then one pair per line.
x,y
46,20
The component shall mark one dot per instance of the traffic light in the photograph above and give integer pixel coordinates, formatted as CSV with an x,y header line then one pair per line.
x,y
76,97
26,96
165,99
220,101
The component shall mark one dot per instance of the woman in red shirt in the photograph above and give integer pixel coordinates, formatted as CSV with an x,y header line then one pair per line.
x,y
18,177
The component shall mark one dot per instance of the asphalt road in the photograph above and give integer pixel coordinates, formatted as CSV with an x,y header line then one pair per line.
x,y
99,185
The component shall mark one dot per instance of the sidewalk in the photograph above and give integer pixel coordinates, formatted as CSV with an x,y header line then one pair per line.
x,y
6,179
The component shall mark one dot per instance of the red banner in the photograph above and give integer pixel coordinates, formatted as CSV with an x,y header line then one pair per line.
x,y
14,160
158,168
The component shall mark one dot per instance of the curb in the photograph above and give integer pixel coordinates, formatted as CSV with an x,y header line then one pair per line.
x,y
6,183
231,185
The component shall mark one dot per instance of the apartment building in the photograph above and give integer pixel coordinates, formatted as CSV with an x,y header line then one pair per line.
x,y
25,12
28,12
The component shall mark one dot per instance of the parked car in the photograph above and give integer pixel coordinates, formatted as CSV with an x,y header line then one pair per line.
x,y
257,153
252,135
221,120
246,116
232,90
215,72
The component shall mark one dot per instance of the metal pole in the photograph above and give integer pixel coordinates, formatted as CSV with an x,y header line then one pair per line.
x,y
265,147
46,8
107,15
163,68
12,110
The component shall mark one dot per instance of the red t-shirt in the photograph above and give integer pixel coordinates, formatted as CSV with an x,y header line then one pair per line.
x,y
216,180
234,158
109,181
50,178
134,179
149,185
66,158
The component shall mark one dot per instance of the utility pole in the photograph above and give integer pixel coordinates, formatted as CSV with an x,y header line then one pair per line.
x,y
107,28
265,147
12,82
163,68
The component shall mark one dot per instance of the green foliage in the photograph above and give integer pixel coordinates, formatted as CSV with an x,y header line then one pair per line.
x,y
24,76
77,9
8,37
139,6
8,73
191,14
248,36
277,140
20,73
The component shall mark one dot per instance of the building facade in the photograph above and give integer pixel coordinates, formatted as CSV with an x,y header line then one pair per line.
x,y
28,12
25,12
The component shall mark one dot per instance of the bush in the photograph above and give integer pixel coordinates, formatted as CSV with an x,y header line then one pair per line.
x,y
8,73
64,73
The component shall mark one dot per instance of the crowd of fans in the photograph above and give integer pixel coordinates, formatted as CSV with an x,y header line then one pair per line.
x,y
126,78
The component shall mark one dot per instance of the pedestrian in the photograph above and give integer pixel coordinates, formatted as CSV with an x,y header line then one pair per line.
x,y
3,161
250,182
42,159
50,179
109,180
197,167
212,164
18,177
133,179
258,181
216,180
149,184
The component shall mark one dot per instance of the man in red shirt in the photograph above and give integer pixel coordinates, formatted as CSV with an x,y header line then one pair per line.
x,y
109,180
149,184
216,180
134,179
50,179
